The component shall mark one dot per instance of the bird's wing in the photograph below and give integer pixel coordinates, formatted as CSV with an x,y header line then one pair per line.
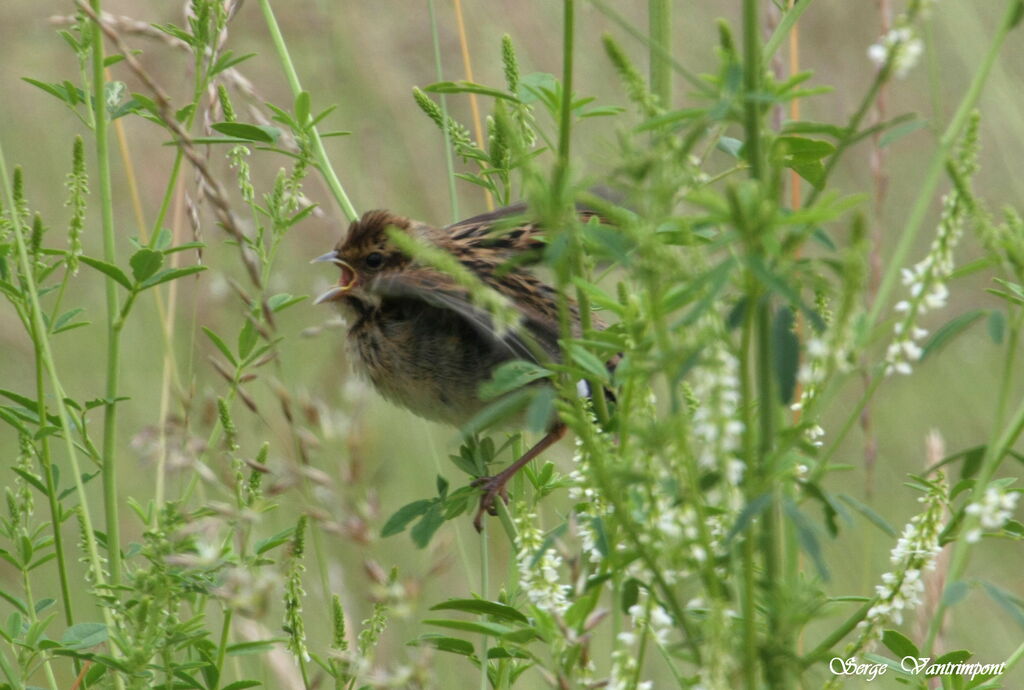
x,y
439,290
507,231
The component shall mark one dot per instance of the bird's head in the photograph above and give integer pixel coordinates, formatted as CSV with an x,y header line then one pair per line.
x,y
363,255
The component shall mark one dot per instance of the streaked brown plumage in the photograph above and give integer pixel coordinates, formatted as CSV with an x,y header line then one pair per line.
x,y
415,333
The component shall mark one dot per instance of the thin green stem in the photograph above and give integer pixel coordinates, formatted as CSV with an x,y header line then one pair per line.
x,y
322,160
449,160
751,84
694,80
644,636
485,577
837,635
46,464
36,314
1016,656
995,451
659,17
1006,386
565,114
30,602
789,20
12,678
758,347
222,648
109,447
748,555
897,258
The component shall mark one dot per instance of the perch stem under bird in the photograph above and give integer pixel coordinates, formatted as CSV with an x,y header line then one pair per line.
x,y
421,335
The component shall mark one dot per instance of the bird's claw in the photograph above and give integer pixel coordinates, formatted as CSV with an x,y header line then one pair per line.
x,y
492,487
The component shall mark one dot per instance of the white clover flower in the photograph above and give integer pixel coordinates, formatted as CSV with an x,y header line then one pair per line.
x,y
901,589
993,510
538,576
801,472
902,46
826,353
717,428
926,283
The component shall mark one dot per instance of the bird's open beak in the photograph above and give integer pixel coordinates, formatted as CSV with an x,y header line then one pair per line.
x,y
349,278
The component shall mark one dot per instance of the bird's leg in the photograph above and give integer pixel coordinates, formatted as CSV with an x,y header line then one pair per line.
x,y
495,486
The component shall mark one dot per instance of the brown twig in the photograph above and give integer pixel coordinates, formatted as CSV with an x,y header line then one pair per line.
x,y
881,179
218,196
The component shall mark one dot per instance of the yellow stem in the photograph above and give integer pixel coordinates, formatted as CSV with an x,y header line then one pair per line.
x,y
474,107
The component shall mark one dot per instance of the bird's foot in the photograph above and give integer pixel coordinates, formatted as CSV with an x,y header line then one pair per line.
x,y
491,489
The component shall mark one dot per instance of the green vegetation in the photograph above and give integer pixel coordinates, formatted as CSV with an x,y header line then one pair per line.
x,y
804,311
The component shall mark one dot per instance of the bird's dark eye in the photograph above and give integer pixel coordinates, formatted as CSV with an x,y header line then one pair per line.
x,y
374,260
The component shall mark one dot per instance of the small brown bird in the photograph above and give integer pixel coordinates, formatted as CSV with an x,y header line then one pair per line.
x,y
415,332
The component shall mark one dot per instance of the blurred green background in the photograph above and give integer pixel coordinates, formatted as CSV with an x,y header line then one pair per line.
x,y
365,56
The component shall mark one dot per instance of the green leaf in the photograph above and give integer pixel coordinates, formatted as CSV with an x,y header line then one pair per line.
x,y
600,111
14,601
897,133
811,127
247,338
145,263
500,409
423,531
749,512
482,607
510,376
507,653
1006,601
64,318
171,274
955,593
589,362
950,330
302,108
176,32
108,269
996,326
84,635
71,96
541,409
184,246
955,657
254,647
792,149
898,643
482,627
264,545
31,479
444,643
630,594
972,462
228,60
220,345
282,301
868,512
804,156
729,145
406,514
786,353
812,171
469,87
684,115
242,684
807,537
264,134
1013,299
